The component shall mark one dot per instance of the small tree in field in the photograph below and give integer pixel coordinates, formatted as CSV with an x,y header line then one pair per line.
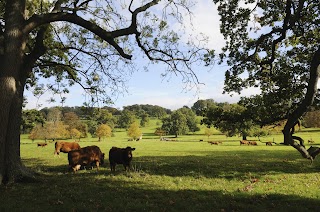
x,y
33,134
208,131
55,131
49,131
103,131
134,131
74,133
160,132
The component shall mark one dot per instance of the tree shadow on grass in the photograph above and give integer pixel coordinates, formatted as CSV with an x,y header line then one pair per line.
x,y
220,164
228,165
105,193
86,190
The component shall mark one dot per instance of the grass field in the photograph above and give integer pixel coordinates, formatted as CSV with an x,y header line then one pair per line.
x,y
185,175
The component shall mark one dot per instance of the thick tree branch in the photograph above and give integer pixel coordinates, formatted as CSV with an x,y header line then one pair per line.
x,y
311,91
307,102
38,20
38,50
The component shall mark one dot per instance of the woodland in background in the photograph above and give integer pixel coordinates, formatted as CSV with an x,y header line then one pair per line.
x,y
76,122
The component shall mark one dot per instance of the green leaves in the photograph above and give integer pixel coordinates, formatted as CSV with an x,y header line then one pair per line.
x,y
230,119
270,45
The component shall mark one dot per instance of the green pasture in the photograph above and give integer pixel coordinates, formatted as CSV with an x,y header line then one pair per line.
x,y
181,175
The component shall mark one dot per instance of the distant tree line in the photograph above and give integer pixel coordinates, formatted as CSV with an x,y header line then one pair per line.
x,y
248,117
76,122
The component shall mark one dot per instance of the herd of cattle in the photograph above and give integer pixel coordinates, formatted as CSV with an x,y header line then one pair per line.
x,y
242,142
92,156
245,142
254,143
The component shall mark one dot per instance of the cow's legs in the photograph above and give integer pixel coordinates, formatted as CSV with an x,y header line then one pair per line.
x,y
97,164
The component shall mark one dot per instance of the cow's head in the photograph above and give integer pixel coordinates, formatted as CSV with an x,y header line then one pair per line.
x,y
129,151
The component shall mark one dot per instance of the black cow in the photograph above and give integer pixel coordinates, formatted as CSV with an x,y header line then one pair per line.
x,y
120,156
86,156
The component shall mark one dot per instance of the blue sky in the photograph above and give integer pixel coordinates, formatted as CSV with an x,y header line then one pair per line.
x,y
149,88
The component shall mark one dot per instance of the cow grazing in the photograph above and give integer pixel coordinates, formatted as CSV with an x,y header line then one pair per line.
x,y
42,144
61,146
310,141
253,143
86,156
244,142
215,142
120,156
269,143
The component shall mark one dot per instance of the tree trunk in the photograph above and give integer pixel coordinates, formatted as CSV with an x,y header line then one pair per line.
x,y
244,137
293,118
12,81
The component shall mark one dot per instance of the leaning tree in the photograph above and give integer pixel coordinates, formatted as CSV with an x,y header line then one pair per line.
x,y
274,45
92,43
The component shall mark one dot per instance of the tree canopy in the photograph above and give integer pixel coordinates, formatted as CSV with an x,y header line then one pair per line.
x,y
134,131
274,45
230,119
180,122
103,131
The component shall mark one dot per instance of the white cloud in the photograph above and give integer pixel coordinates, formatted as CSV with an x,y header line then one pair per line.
x,y
206,20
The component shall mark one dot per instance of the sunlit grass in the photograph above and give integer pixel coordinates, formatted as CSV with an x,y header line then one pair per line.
x,y
182,175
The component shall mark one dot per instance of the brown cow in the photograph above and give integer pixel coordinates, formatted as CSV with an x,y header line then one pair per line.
x,y
215,142
310,141
61,146
244,142
42,144
120,156
253,143
86,156
268,143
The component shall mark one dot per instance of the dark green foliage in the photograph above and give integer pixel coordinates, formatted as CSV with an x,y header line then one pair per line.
x,y
231,119
175,124
200,107
191,119
180,122
152,110
274,45
30,118
144,120
125,119
277,61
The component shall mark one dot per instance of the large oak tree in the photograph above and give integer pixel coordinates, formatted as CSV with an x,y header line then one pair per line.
x,y
274,45
88,42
